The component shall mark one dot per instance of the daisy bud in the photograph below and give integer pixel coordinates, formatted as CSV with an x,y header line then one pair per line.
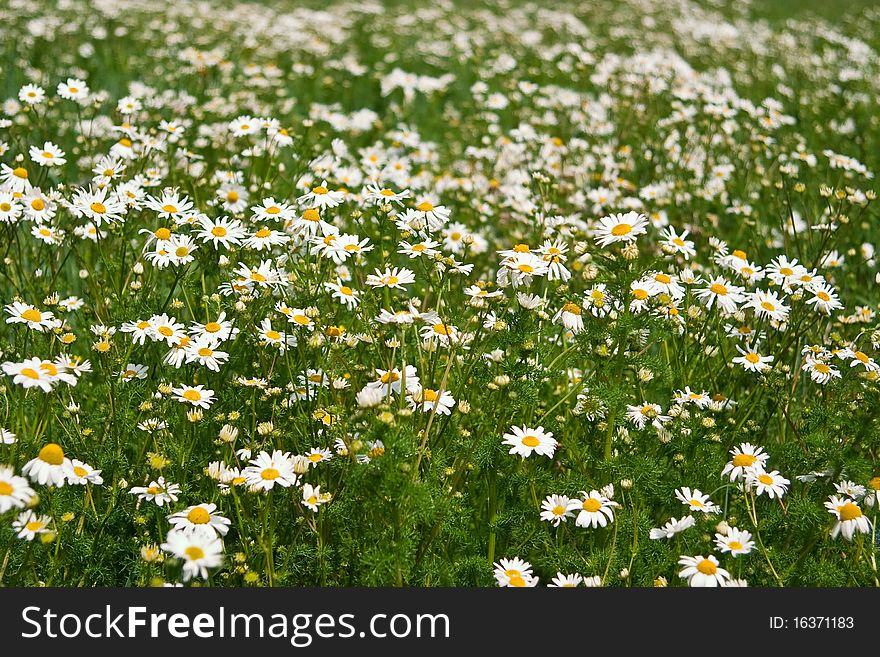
x,y
645,375
722,528
138,268
83,273
195,415
369,397
265,428
300,464
501,380
660,582
240,306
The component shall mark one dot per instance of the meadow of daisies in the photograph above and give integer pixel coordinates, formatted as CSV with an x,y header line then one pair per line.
x,y
455,294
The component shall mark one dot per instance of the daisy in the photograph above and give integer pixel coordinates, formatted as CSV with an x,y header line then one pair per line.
x,y
594,509
859,358
51,467
850,489
745,456
272,210
268,470
434,217
772,483
557,508
570,317
752,361
14,490
264,239
198,396
6,437
620,228
200,515
221,231
518,269
133,371
872,497
673,243
348,296
32,94
220,329
312,497
159,491
850,519
524,441
820,371
514,573
392,277
98,206
673,527
82,474
429,401
391,380
204,351
566,581
824,299
321,197
372,193
736,542
688,396
171,205
30,316
269,336
48,156
29,374
200,549
722,292
696,500
768,304
14,180
703,571
318,455
73,89
640,414
28,524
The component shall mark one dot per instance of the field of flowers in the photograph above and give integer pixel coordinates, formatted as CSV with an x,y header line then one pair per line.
x,y
454,294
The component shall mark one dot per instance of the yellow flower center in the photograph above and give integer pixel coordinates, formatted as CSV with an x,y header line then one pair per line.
x,y
526,269
752,357
163,233
194,553
572,308
312,500
270,474
389,377
99,208
272,210
34,526
769,307
205,352
181,251
169,208
30,373
49,369
79,471
530,441
743,460
641,295
232,196
849,511
621,229
218,231
263,232
719,289
5,207
765,479
429,395
707,567
5,488
785,271
875,483
198,516
591,504
424,206
273,335
32,315
822,368
739,254
558,510
165,330
442,329
311,215
302,320
192,395
20,172
823,295
212,327
391,280
320,190
52,454
735,545
38,204
861,356
665,279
